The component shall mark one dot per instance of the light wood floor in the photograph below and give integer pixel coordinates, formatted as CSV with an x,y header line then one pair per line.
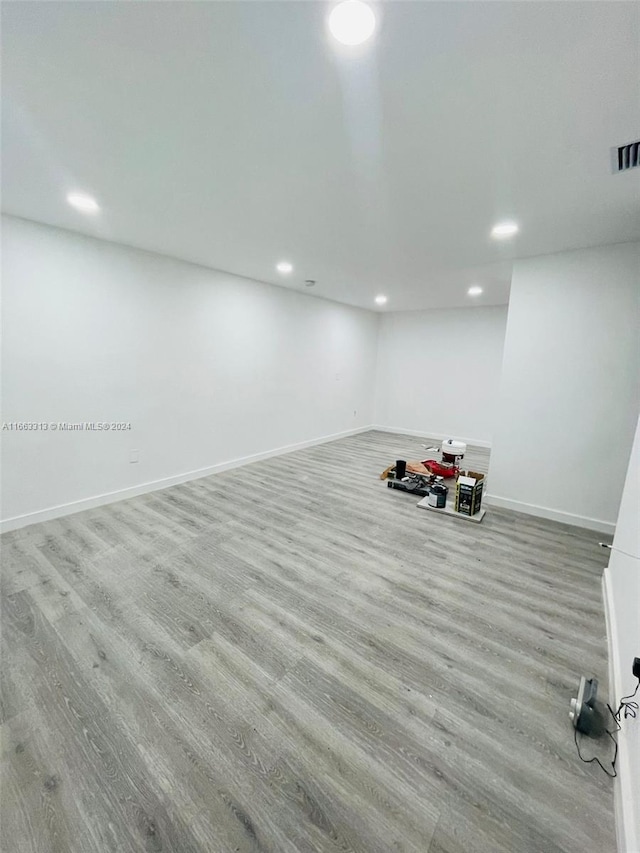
x,y
291,657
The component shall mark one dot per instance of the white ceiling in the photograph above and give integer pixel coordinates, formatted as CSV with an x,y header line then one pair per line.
x,y
236,135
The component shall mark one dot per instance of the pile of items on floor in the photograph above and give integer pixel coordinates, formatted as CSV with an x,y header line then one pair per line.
x,y
427,478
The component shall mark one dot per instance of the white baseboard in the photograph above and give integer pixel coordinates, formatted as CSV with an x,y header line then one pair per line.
x,y
552,514
627,811
50,513
472,442
155,485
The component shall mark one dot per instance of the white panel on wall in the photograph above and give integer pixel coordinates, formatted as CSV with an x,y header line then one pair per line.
x,y
622,594
207,367
570,387
439,371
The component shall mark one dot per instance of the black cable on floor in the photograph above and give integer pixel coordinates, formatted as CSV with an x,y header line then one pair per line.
x,y
628,708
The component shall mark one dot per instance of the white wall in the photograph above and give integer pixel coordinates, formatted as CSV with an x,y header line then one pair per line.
x,y
439,372
570,387
207,367
211,369
622,597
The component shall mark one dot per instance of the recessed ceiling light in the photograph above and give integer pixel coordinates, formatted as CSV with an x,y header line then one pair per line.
x,y
83,203
352,22
381,300
504,229
475,290
284,266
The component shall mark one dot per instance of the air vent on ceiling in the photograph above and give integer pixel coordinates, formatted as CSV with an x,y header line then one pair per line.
x,y
625,157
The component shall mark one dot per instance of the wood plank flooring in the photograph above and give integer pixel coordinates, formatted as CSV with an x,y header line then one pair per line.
x,y
290,657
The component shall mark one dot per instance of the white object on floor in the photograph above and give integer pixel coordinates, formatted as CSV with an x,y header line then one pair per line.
x,y
449,510
454,448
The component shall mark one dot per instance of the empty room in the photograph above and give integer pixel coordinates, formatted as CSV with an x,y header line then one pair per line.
x,y
320,450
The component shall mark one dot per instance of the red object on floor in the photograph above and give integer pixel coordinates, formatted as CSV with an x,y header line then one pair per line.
x,y
441,470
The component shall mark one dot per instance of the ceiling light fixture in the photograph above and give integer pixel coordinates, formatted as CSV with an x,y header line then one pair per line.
x,y
352,22
83,203
475,290
381,299
504,229
284,266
